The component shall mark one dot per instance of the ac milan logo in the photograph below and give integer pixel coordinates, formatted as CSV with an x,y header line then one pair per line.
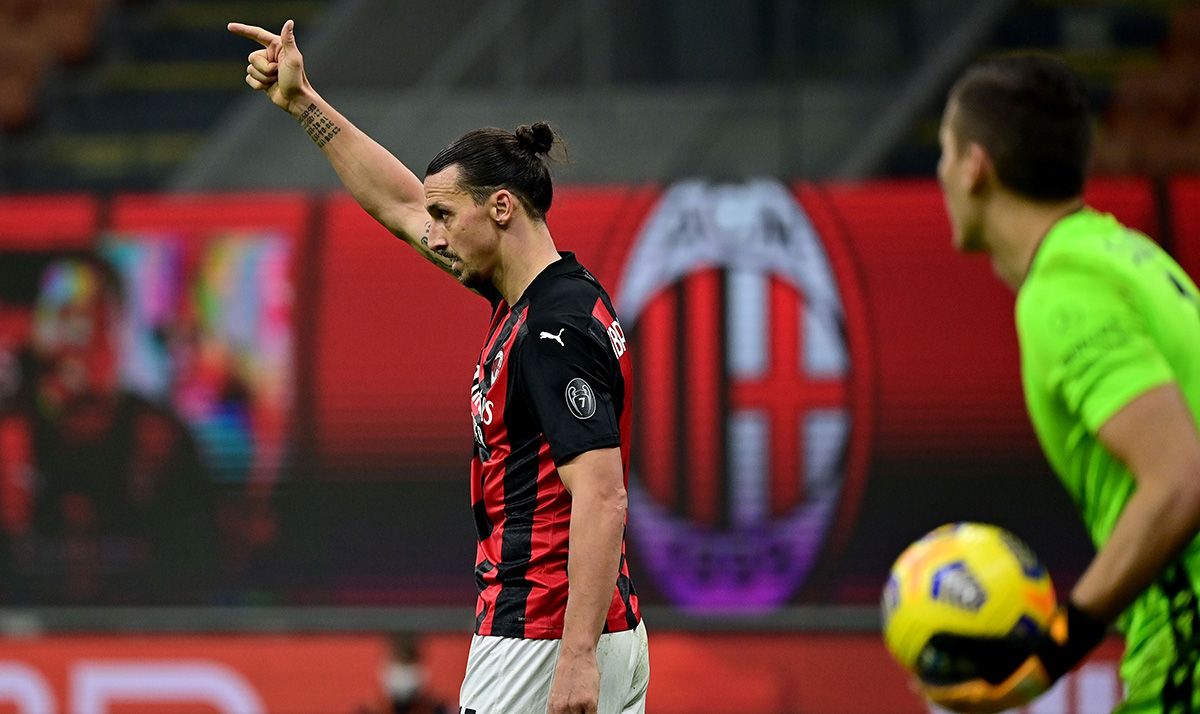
x,y
745,403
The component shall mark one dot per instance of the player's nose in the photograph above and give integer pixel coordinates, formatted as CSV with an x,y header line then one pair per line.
x,y
437,238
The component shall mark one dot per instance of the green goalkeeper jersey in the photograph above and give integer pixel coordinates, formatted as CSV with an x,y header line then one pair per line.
x,y
1103,316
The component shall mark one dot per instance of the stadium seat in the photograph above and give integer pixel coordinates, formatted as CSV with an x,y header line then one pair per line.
x,y
24,60
1184,34
34,36
1152,124
71,26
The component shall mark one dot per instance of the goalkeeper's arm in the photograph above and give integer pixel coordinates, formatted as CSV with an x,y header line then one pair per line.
x,y
1155,437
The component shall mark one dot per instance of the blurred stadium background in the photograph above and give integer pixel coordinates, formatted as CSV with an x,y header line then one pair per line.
x,y
274,517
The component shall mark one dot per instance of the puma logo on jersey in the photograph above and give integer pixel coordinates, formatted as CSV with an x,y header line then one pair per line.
x,y
557,338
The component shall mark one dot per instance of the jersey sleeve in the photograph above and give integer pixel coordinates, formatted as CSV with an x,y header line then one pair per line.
x,y
1088,344
567,377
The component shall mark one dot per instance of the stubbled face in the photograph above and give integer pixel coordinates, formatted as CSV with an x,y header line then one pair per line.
x,y
460,230
957,173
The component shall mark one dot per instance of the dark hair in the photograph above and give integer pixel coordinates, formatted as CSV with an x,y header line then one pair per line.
x,y
491,159
1030,111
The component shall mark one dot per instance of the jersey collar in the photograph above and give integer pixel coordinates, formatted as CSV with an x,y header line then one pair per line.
x,y
564,265
1060,226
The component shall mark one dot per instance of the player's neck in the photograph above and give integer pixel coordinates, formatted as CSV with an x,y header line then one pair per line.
x,y
1018,227
524,253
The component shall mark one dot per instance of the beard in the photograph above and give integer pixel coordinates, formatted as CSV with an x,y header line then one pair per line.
x,y
471,279
474,281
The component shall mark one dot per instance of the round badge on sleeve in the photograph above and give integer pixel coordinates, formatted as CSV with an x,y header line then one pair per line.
x,y
581,400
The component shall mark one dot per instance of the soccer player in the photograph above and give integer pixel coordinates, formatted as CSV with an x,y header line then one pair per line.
x,y
1109,328
557,628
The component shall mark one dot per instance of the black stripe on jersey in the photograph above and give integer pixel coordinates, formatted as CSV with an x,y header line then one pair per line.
x,y
485,378
483,613
485,566
1179,687
625,588
520,502
483,525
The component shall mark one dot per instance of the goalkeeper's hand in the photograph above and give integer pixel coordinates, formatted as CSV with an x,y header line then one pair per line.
x,y
1009,672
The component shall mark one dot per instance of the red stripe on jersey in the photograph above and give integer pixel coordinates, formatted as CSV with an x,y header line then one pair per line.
x,y
623,615
704,361
547,601
656,363
487,478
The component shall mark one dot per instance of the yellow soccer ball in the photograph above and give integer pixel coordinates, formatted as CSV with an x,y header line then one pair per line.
x,y
967,579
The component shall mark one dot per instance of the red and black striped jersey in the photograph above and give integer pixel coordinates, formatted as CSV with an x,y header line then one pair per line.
x,y
553,381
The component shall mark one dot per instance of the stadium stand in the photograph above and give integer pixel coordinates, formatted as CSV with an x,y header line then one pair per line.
x,y
103,94
1152,123
127,93
1141,61
34,37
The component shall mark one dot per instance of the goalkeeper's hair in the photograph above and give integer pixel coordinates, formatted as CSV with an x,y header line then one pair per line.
x,y
1030,112
491,159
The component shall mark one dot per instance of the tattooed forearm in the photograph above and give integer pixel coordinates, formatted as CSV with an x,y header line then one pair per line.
x,y
436,257
319,127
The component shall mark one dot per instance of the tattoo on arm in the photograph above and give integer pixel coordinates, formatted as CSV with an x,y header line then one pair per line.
x,y
319,127
437,258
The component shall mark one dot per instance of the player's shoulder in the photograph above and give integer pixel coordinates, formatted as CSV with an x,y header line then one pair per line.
x,y
1093,246
1062,293
1088,257
565,295
1081,281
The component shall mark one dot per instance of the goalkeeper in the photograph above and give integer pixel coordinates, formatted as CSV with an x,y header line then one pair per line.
x,y
1109,327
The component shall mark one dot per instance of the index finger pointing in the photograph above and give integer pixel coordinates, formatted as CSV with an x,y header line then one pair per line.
x,y
251,32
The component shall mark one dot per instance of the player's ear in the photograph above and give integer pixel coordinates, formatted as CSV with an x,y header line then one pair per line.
x,y
978,167
503,207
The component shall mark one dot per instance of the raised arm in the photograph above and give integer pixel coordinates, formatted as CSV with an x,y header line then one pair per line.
x,y
381,184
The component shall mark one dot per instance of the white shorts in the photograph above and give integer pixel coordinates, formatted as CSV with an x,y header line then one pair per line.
x,y
507,675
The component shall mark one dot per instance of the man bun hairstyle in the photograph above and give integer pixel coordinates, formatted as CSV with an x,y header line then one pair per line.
x,y
537,137
492,159
1030,111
